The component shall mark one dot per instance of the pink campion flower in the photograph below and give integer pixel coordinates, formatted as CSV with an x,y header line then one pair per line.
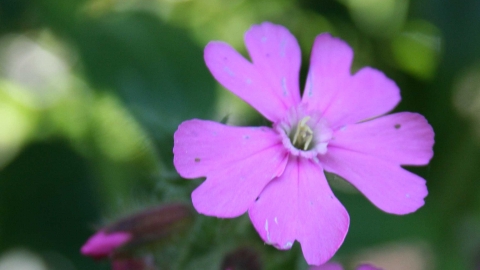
x,y
277,173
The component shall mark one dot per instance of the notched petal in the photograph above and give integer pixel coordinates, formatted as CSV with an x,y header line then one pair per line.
x,y
299,205
329,68
229,158
343,98
270,84
276,55
387,185
403,138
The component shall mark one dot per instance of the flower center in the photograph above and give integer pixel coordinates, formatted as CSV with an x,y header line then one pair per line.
x,y
304,133
301,136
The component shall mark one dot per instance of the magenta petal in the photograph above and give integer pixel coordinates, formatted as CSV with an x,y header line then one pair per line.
x,y
276,55
329,71
403,138
388,186
341,97
300,205
323,221
239,76
237,161
368,94
102,244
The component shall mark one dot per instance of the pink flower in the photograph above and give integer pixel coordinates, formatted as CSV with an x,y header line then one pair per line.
x,y
337,266
120,238
102,244
277,173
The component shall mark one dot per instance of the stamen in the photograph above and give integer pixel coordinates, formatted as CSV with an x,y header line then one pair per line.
x,y
309,139
303,134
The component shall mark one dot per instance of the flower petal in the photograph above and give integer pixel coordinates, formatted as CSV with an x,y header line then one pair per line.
x,y
403,138
329,71
343,98
103,244
270,84
276,54
388,186
368,94
300,205
237,161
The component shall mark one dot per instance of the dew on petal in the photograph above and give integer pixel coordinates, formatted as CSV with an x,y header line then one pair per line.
x,y
284,86
229,71
310,86
282,47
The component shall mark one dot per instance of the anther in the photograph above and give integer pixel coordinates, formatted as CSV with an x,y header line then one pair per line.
x,y
303,134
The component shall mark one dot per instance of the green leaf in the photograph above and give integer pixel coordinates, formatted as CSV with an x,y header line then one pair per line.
x,y
156,69
47,205
417,49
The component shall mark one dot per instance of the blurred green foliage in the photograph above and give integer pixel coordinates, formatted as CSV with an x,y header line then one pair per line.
x,y
92,91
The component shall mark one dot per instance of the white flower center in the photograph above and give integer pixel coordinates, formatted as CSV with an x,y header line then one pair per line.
x,y
304,134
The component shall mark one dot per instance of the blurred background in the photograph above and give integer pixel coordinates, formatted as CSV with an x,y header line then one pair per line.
x,y
91,92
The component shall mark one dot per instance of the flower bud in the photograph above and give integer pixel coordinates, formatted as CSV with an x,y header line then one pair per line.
x,y
136,230
101,244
